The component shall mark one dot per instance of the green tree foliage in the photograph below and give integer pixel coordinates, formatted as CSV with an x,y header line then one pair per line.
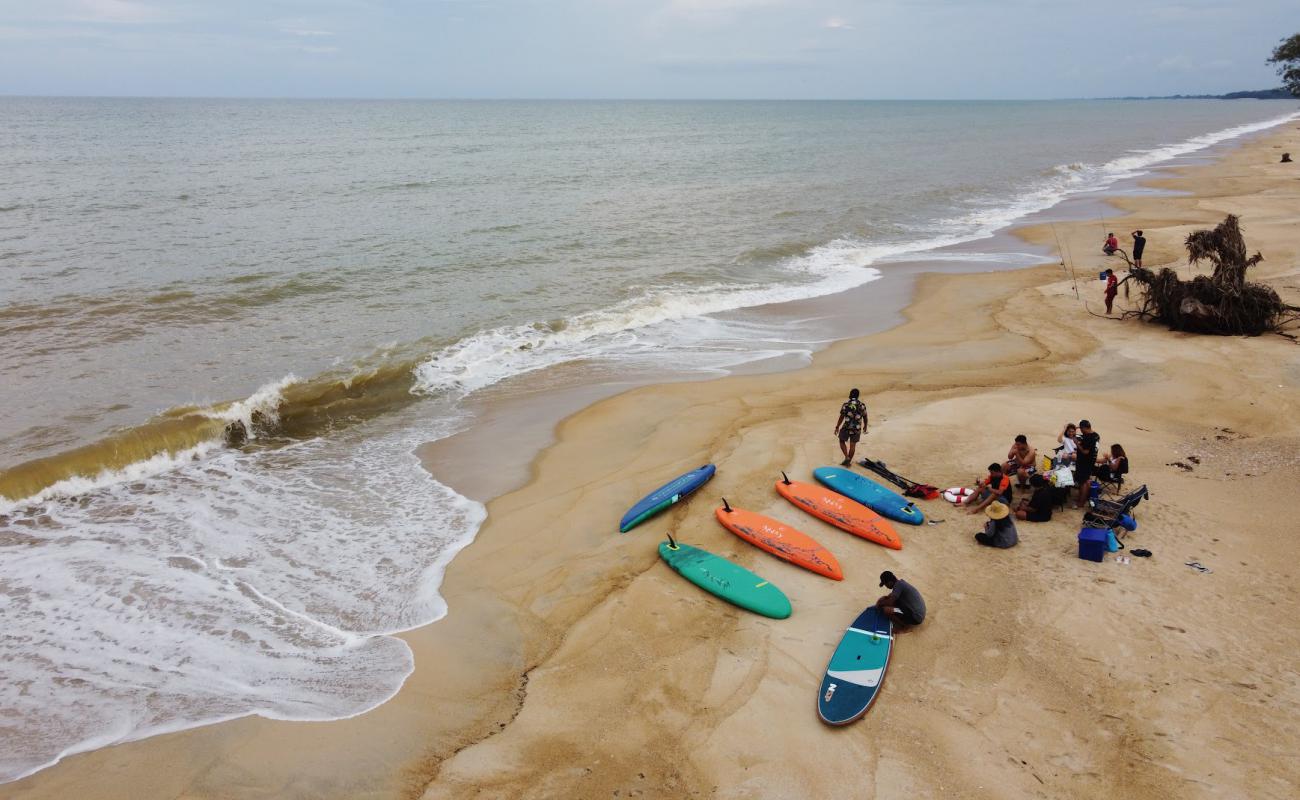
x,y
1287,57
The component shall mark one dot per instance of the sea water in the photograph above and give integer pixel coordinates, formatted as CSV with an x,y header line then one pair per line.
x,y
341,277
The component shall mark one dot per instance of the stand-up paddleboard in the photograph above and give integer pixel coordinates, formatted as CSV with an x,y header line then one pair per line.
x,y
673,491
780,540
870,494
858,666
727,580
839,511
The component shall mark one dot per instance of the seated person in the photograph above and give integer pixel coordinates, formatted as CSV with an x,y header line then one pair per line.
x,y
1112,467
1000,530
903,604
1065,454
1038,507
997,486
1022,461
1111,245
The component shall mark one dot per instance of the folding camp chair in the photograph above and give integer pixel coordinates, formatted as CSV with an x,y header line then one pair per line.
x,y
1112,485
1105,512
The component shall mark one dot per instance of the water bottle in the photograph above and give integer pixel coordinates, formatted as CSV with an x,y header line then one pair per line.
x,y
1094,489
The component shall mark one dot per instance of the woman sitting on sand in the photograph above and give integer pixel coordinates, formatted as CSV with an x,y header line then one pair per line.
x,y
1000,530
1113,467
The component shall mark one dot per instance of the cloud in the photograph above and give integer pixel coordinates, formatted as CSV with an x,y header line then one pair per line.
x,y
314,48
837,24
1183,63
714,11
115,12
726,64
306,32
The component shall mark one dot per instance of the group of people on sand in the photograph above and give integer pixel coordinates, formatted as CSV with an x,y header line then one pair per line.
x,y
1078,449
1110,248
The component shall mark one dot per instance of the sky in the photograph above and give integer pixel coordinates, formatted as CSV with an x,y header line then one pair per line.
x,y
785,49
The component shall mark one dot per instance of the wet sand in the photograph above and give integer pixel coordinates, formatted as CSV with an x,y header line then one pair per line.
x,y
574,664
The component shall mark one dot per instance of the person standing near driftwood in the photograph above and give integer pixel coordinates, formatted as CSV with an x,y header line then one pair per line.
x,y
1112,288
1139,244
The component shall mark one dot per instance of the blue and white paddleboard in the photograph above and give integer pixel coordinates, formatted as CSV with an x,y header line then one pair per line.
x,y
671,492
858,666
884,502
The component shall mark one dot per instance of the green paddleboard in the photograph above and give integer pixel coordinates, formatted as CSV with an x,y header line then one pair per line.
x,y
727,580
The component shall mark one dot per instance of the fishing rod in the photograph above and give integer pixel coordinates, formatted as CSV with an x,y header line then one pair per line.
x,y
1074,280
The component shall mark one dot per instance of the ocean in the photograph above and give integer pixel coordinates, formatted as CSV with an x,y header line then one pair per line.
x,y
347,278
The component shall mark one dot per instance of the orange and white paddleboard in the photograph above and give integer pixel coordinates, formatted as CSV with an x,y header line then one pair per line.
x,y
780,540
840,511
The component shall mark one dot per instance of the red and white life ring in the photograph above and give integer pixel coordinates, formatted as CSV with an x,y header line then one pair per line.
x,y
957,495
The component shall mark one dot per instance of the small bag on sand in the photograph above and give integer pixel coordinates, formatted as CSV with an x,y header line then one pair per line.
x,y
1062,477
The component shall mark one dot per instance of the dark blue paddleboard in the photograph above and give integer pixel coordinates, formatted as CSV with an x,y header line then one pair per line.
x,y
671,492
857,668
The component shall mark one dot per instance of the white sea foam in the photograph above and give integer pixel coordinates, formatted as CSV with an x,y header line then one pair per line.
x,y
628,329
491,356
266,401
241,584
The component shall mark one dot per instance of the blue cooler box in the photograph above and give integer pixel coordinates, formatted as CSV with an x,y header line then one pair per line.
x,y
1092,543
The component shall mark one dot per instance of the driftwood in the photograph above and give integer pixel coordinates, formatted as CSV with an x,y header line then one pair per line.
x,y
1222,303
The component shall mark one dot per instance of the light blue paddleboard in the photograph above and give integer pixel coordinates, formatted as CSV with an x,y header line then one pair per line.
x,y
870,494
856,670
674,491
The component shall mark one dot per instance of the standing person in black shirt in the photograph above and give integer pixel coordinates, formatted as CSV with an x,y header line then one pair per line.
x,y
850,426
1086,460
1139,244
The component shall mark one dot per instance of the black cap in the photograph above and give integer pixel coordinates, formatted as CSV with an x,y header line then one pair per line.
x,y
887,576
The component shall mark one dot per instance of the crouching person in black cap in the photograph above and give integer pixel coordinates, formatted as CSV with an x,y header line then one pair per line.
x,y
903,604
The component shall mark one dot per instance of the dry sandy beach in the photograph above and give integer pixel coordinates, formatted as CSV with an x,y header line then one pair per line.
x,y
574,664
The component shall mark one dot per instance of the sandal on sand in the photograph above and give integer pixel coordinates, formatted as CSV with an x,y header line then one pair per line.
x,y
1141,553
846,463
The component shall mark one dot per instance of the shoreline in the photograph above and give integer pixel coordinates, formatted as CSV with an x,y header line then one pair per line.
x,y
548,596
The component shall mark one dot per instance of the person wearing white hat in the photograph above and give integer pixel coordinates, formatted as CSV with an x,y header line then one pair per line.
x,y
1000,530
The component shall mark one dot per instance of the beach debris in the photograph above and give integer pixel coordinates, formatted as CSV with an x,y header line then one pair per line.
x,y
236,434
1286,158
1180,465
1199,567
1222,303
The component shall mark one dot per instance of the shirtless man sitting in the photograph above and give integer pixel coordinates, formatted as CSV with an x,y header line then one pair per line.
x,y
1021,461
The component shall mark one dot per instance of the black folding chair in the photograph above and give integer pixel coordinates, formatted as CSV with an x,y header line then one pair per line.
x,y
1105,512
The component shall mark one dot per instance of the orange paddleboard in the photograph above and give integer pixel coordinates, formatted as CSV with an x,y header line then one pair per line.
x,y
841,512
781,541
